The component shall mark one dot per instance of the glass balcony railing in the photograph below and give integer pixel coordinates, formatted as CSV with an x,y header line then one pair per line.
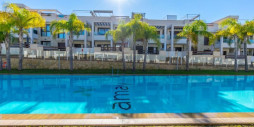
x,y
228,41
169,37
176,37
99,33
161,36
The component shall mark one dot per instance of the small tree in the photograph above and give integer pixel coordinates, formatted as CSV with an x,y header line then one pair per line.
x,y
191,32
1,41
24,19
135,26
149,33
73,26
231,29
246,31
120,34
7,26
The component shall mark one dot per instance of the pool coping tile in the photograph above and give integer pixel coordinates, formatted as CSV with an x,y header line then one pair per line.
x,y
126,119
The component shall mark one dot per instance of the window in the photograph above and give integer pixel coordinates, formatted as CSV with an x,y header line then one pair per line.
x,y
82,32
206,41
102,31
45,43
61,45
61,35
35,31
225,40
224,52
178,49
175,33
77,45
162,46
45,32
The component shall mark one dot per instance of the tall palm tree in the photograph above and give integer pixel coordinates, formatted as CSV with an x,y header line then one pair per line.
x,y
24,19
7,26
120,34
135,26
191,32
73,26
231,29
149,33
246,31
1,41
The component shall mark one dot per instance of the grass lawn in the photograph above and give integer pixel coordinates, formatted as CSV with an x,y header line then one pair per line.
x,y
98,71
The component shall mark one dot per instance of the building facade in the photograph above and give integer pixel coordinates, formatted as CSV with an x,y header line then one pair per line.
x,y
167,31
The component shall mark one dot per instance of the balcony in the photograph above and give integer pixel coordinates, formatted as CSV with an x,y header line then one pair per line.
x,y
101,36
80,37
111,49
35,36
162,36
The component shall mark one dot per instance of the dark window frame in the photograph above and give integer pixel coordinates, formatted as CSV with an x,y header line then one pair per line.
x,y
61,36
45,32
206,41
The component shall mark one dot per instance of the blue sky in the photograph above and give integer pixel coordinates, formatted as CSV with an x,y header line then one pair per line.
x,y
210,10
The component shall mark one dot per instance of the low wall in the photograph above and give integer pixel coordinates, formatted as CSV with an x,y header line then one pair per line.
x,y
64,64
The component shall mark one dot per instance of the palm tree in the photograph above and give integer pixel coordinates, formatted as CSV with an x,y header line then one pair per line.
x,y
191,32
24,19
246,31
149,33
73,26
120,34
1,41
231,29
135,26
6,25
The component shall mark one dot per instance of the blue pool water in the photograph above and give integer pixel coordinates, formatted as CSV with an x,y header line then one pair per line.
x,y
71,94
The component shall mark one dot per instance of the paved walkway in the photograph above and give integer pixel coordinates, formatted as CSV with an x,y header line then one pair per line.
x,y
126,119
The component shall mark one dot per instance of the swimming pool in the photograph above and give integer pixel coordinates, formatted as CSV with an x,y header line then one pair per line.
x,y
74,94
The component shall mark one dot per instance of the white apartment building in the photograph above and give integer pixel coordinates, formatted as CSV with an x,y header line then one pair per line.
x,y
101,21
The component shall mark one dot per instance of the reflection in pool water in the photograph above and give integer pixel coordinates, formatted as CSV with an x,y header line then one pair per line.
x,y
69,94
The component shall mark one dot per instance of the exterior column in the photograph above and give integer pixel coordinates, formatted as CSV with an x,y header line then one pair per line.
x,y
31,36
111,40
221,45
172,38
165,38
92,34
85,39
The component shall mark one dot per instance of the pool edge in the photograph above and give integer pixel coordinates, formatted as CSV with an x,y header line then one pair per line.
x,y
140,119
121,122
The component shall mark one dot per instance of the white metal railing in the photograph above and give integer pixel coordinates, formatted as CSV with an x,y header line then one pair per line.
x,y
170,57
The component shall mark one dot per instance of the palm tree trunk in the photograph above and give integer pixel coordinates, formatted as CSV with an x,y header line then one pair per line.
x,y
134,56
236,54
187,55
144,63
1,61
7,46
70,50
245,55
123,58
20,48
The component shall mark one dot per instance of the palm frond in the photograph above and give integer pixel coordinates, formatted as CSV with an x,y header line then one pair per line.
x,y
58,27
